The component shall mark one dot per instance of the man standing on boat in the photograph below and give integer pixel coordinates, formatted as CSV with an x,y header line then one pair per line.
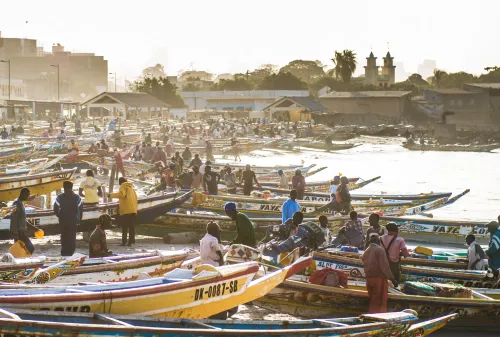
x,y
395,247
128,210
230,180
90,189
247,179
299,184
283,180
290,207
475,254
69,209
377,272
18,220
244,227
493,250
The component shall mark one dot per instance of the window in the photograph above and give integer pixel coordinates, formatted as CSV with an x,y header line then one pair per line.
x,y
452,102
472,101
459,102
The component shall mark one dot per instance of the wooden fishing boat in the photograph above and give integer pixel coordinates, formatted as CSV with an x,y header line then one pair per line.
x,y
149,208
261,207
180,293
124,269
37,323
49,274
42,183
257,169
323,196
15,153
440,231
451,147
324,186
306,172
330,147
315,301
353,268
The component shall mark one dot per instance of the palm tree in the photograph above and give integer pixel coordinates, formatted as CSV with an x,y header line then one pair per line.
x,y
345,64
438,77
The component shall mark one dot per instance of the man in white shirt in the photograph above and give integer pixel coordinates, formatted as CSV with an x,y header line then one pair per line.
x,y
283,180
92,188
210,251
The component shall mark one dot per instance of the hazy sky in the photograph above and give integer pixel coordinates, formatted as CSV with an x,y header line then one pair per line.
x,y
233,36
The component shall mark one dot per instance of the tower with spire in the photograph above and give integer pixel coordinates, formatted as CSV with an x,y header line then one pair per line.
x,y
371,70
389,69
387,74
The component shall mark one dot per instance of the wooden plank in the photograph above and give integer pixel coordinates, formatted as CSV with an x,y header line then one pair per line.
x,y
112,320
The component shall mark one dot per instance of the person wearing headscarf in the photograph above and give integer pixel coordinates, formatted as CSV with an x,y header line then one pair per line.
x,y
299,184
210,251
244,227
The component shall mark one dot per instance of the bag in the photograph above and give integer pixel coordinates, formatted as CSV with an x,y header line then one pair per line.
x,y
19,250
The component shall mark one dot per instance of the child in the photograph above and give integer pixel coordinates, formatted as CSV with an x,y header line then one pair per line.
x,y
97,241
210,252
323,222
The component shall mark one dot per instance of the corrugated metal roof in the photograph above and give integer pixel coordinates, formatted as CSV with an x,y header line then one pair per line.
x,y
365,94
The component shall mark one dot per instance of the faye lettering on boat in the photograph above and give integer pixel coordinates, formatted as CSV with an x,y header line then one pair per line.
x,y
216,290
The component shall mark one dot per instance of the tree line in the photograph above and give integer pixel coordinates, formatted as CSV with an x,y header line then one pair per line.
x,y
300,75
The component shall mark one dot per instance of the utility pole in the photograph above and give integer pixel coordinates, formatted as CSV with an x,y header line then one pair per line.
x,y
58,92
8,62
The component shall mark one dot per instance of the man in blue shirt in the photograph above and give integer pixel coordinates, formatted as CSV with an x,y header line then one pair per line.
x,y
493,251
290,207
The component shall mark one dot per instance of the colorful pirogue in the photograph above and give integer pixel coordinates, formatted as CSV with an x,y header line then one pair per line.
x,y
28,322
183,293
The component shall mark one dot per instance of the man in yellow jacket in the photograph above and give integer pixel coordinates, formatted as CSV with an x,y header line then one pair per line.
x,y
127,209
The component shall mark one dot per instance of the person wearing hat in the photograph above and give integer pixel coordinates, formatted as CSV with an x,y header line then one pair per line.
x,y
244,227
395,247
283,180
377,273
493,250
299,184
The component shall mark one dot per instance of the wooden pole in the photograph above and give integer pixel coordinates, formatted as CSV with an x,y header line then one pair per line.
x,y
112,179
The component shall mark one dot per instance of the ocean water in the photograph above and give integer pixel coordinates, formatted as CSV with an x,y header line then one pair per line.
x,y
403,171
